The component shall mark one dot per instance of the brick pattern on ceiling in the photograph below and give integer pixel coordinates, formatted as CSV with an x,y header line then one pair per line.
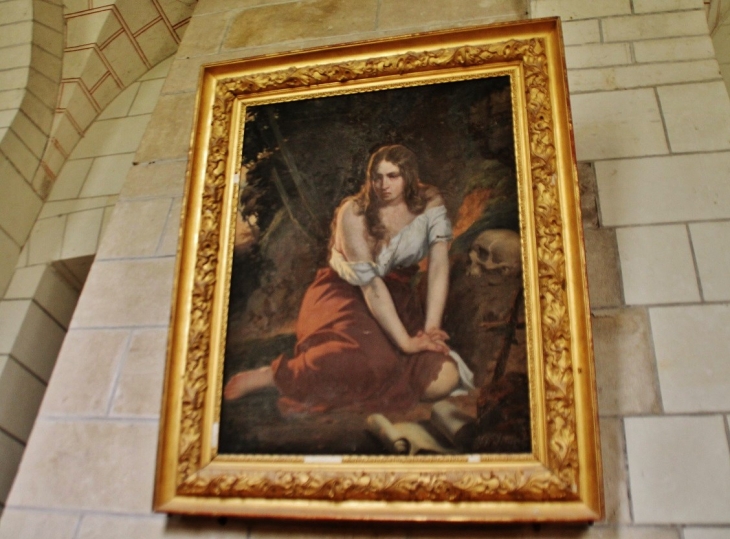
x,y
108,46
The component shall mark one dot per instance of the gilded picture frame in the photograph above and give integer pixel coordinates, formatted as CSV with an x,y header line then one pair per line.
x,y
558,476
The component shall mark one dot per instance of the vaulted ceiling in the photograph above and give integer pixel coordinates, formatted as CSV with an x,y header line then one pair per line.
x,y
108,46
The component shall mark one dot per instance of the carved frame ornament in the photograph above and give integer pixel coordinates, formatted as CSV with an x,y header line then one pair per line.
x,y
561,478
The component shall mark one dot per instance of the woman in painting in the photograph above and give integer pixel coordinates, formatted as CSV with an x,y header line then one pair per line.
x,y
362,338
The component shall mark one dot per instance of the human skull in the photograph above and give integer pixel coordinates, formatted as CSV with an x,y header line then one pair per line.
x,y
495,251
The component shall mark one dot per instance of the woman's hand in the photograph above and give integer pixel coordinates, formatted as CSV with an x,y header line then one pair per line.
x,y
422,342
437,334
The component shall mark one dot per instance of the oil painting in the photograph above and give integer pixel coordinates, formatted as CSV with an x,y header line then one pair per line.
x,y
380,308
337,388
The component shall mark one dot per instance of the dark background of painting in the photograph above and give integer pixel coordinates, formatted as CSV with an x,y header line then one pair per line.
x,y
301,159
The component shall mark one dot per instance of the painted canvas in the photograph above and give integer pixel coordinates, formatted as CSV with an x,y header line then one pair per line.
x,y
300,160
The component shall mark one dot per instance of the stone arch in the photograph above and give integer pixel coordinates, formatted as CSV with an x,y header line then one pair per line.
x,y
108,46
54,91
33,33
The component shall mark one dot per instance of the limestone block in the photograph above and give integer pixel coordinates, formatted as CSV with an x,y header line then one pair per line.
x,y
156,42
648,6
298,21
48,38
579,32
398,14
12,314
146,98
44,88
204,34
664,189
119,107
707,533
120,51
169,133
615,478
617,124
37,110
204,7
625,370
692,125
184,71
721,42
106,175
20,398
29,133
13,79
15,56
16,523
37,340
119,135
604,272
19,155
711,245
58,208
638,27
691,346
25,282
169,241
92,387
139,389
19,204
115,527
135,229
11,99
12,451
657,265
81,236
635,76
49,14
695,492
113,473
588,194
66,135
569,9
126,293
597,55
57,296
139,16
164,179
323,530
160,70
48,64
17,33
7,116
9,254
674,49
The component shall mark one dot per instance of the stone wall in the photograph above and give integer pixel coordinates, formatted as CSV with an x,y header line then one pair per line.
x,y
45,286
652,126
31,46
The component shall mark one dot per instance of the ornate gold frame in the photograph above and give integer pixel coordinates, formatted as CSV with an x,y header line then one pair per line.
x,y
561,480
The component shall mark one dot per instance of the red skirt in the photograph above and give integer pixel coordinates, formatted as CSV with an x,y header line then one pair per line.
x,y
343,358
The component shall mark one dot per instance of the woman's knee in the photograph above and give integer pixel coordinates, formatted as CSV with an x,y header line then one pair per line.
x,y
446,382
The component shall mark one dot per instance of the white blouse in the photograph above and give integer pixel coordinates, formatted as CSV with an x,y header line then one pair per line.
x,y
406,248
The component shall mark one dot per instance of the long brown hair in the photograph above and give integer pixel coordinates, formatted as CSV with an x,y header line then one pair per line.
x,y
368,203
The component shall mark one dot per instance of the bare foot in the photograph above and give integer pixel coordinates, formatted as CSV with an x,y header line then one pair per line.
x,y
246,382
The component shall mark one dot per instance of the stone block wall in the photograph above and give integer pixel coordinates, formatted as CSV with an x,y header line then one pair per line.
x,y
31,46
52,268
651,126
